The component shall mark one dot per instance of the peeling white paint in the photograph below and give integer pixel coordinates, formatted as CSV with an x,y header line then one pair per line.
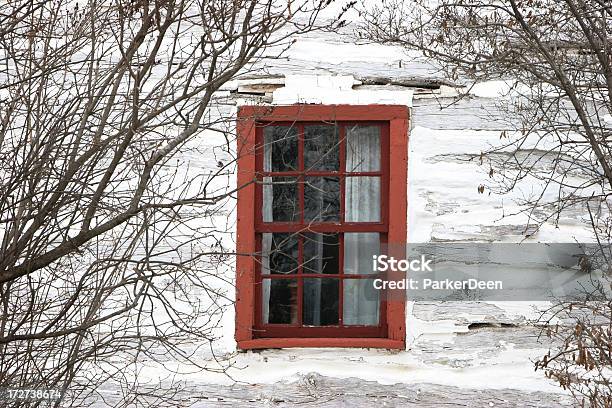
x,y
334,90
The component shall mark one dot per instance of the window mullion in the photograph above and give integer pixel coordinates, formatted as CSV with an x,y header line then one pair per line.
x,y
300,180
300,280
342,171
301,171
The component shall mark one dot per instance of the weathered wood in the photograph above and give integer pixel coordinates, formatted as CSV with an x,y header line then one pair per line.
x,y
466,113
312,390
258,89
406,81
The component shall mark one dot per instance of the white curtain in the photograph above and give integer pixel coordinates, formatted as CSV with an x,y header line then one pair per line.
x,y
362,194
267,183
361,301
362,148
362,199
266,239
362,204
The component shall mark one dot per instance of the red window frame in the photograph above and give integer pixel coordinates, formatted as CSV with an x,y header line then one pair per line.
x,y
250,332
262,330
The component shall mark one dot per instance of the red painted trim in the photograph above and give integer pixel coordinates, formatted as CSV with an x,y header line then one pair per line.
x,y
320,275
321,227
322,342
287,330
245,229
398,222
318,113
396,200
322,173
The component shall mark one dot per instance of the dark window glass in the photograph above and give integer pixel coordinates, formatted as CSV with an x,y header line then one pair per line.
x,y
322,199
282,307
321,253
321,299
280,149
280,252
308,196
321,148
280,201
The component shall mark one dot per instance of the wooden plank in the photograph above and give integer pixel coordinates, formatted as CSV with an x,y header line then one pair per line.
x,y
314,390
467,113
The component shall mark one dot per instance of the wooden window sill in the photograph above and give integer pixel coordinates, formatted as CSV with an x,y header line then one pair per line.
x,y
266,343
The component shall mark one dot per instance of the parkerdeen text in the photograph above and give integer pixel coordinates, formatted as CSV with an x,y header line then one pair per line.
x,y
431,284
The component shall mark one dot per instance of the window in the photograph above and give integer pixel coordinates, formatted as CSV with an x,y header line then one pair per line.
x,y
322,189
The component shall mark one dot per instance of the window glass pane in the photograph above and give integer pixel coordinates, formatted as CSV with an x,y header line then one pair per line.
x,y
279,253
280,148
321,148
362,199
280,301
322,199
361,302
280,201
359,250
362,148
321,298
321,253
